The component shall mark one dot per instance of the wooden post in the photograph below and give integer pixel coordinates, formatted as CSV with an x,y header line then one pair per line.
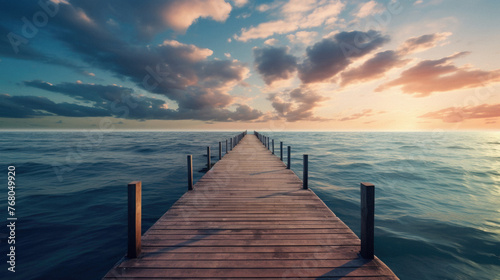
x,y
226,146
305,180
273,146
268,146
134,219
209,164
220,150
289,160
231,144
190,172
281,151
367,220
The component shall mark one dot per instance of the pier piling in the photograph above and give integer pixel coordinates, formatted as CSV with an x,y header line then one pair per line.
x,y
134,219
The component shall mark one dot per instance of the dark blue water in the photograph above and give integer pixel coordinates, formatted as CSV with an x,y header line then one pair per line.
x,y
437,195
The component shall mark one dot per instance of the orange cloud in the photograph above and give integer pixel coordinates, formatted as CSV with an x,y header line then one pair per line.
x,y
181,14
382,62
460,114
362,114
440,75
373,68
422,43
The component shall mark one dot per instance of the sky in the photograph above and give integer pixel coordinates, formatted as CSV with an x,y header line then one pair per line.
x,y
393,65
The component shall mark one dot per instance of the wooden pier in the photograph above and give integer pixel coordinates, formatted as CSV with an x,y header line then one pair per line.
x,y
249,217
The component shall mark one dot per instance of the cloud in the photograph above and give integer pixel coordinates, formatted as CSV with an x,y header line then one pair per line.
x,y
373,68
12,45
182,13
265,30
302,37
362,114
271,42
266,7
382,62
294,15
240,3
421,43
441,75
152,16
36,106
460,114
274,63
330,56
145,20
297,104
122,102
368,9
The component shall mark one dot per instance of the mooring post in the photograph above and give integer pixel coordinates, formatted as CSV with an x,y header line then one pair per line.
x,y
281,151
231,144
190,172
134,219
220,150
305,180
209,164
289,160
268,146
226,146
273,146
367,220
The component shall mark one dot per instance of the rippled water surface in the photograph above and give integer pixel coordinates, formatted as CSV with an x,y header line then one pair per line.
x,y
437,194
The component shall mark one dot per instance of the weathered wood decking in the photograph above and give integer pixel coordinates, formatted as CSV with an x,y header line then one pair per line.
x,y
249,217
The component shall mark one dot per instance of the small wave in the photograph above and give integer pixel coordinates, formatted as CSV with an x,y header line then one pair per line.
x,y
146,150
32,168
353,165
455,147
408,147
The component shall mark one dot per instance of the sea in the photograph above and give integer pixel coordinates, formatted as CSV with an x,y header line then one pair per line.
x,y
437,194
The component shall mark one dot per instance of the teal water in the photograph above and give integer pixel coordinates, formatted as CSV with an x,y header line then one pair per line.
x,y
437,194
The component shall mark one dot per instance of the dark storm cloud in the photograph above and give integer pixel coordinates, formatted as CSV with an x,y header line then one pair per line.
x,y
330,56
33,106
274,63
122,102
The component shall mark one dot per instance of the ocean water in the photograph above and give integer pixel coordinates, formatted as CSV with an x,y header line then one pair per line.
x,y
437,194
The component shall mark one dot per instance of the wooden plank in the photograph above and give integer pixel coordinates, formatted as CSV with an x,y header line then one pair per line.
x,y
201,264
249,272
249,217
